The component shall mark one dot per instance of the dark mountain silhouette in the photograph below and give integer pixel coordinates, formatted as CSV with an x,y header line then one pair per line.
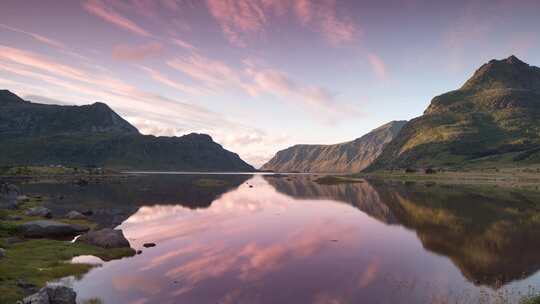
x,y
94,135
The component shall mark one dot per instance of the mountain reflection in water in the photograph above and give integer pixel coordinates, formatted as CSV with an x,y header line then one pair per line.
x,y
290,240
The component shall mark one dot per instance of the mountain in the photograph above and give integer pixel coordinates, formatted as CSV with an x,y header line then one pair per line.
x,y
346,157
21,118
493,118
94,135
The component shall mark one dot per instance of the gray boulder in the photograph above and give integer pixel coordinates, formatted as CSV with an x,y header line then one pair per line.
x,y
45,228
75,215
105,238
9,191
8,196
41,297
61,295
13,218
22,199
39,211
52,295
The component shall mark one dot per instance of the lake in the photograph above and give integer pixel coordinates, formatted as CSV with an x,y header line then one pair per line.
x,y
286,239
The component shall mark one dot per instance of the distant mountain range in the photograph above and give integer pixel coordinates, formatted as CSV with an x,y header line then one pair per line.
x,y
94,135
348,157
494,118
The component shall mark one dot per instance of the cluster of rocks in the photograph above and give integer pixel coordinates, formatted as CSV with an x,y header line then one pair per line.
x,y
52,295
11,197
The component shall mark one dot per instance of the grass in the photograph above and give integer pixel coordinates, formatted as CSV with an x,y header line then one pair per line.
x,y
508,177
38,261
33,202
531,300
41,260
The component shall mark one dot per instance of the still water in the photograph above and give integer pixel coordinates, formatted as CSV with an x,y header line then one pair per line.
x,y
287,239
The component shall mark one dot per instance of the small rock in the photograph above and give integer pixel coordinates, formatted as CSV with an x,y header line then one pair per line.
x,y
13,218
52,295
2,253
106,238
82,182
44,228
41,297
13,240
149,245
75,215
88,212
39,211
139,251
9,191
22,199
29,287
61,295
251,186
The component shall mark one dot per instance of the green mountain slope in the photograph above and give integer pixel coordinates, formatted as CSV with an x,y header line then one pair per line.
x,y
94,135
346,157
494,117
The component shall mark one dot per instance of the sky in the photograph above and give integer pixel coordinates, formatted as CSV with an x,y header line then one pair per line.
x,y
257,75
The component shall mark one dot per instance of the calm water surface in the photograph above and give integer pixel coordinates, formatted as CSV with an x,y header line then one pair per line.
x,y
265,239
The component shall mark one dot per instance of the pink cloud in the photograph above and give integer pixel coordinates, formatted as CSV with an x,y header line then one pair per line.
x,y
241,18
237,16
378,66
99,9
157,76
322,16
183,44
35,36
40,62
136,53
303,10
214,73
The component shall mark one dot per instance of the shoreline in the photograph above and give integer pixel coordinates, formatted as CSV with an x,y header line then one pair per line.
x,y
514,178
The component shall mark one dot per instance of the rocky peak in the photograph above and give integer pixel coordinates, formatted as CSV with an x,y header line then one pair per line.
x,y
508,73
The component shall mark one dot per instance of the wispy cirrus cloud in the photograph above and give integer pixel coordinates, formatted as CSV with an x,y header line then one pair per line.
x,y
183,44
378,66
242,18
136,53
107,13
35,36
163,79
255,81
322,16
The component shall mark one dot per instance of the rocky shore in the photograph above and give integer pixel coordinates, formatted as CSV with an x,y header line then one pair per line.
x,y
32,238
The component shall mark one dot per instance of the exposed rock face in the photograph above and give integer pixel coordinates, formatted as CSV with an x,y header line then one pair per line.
x,y
52,295
39,134
494,116
349,157
106,238
46,228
